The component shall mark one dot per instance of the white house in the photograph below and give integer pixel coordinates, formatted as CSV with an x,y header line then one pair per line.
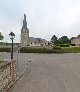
x,y
75,41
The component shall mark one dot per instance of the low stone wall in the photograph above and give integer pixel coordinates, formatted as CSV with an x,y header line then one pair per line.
x,y
7,75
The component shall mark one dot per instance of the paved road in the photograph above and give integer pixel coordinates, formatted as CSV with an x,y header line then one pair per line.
x,y
50,73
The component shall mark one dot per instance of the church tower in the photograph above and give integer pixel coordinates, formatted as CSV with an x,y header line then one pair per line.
x,y
24,33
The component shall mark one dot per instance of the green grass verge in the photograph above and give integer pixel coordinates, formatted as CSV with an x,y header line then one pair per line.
x,y
1,61
71,49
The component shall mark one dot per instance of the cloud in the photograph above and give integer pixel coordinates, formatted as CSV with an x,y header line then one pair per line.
x,y
45,17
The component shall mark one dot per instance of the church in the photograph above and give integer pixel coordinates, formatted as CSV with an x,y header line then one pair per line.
x,y
27,41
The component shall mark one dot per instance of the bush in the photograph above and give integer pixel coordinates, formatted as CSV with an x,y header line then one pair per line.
x,y
36,50
4,49
64,45
56,47
2,61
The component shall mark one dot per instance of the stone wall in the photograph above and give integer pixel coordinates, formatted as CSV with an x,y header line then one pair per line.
x,y
7,75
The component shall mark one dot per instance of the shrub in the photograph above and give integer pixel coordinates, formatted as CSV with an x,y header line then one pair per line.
x,y
64,45
56,47
36,50
4,49
2,61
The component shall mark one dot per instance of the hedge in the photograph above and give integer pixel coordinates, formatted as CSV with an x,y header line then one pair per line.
x,y
64,45
35,50
5,49
56,47
2,61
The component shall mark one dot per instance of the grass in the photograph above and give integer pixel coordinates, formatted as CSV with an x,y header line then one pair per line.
x,y
1,61
71,49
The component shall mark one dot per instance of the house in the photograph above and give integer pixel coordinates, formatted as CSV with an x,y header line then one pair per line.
x,y
38,42
75,41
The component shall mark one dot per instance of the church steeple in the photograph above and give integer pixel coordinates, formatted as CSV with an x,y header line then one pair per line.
x,y
24,22
24,33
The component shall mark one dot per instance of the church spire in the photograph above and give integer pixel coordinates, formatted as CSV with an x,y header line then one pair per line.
x,y
24,22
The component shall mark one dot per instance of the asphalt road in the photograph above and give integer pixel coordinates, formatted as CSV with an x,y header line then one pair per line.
x,y
49,73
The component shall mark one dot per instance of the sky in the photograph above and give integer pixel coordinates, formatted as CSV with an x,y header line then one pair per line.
x,y
45,18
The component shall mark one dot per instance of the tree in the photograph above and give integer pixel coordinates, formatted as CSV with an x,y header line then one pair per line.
x,y
1,36
54,38
57,42
64,40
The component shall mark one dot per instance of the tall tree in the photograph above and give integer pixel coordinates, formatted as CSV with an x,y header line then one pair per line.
x,y
1,36
64,40
54,38
57,42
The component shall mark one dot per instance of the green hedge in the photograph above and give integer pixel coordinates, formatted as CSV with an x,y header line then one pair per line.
x,y
4,49
2,61
56,47
36,50
64,45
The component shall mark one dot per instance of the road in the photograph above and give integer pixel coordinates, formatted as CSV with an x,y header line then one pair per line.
x,y
50,73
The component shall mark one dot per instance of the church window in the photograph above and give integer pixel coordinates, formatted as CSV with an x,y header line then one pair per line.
x,y
31,42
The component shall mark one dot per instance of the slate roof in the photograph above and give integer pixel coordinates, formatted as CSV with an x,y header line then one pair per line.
x,y
37,40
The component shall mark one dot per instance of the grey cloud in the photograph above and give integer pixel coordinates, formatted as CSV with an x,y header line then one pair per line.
x,y
45,17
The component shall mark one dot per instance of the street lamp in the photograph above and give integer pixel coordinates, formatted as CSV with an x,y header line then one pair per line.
x,y
12,36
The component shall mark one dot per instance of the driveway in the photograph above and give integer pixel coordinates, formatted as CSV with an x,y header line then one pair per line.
x,y
50,73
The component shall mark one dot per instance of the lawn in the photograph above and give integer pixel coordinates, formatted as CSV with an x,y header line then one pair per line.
x,y
1,61
71,49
